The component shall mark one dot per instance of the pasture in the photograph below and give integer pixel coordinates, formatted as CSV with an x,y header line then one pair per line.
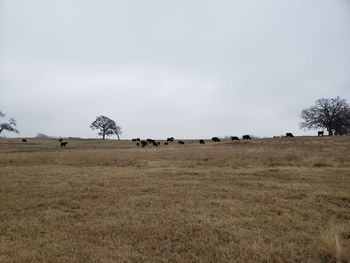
x,y
266,200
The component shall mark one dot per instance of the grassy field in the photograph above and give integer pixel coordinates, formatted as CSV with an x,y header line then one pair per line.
x,y
267,200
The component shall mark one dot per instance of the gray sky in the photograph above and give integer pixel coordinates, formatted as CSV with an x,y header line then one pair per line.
x,y
186,69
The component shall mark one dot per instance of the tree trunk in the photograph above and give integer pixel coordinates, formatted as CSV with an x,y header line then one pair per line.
x,y
104,135
330,133
118,137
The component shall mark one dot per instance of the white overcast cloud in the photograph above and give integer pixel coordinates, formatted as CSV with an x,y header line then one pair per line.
x,y
186,69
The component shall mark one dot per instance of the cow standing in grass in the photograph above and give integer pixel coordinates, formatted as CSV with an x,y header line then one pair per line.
x,y
246,137
150,141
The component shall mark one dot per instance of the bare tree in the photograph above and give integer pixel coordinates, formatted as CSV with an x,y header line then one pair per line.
x,y
106,127
8,126
332,114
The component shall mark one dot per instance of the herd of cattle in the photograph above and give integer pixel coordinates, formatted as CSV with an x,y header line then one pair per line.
x,y
62,143
143,143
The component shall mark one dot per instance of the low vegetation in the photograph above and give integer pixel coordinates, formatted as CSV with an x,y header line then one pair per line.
x,y
269,200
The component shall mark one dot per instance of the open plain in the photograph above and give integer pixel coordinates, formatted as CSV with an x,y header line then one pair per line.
x,y
265,200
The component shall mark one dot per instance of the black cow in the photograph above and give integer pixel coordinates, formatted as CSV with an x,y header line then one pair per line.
x,y
150,141
234,138
181,142
133,140
60,140
166,143
246,137
155,143
215,139
143,144
320,133
201,141
63,144
24,140
171,139
138,144
289,134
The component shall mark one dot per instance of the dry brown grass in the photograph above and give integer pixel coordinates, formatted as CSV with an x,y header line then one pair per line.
x,y
270,200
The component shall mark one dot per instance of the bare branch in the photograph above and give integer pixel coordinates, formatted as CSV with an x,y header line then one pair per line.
x,y
8,126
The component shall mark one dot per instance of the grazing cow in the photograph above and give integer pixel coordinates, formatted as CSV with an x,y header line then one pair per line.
x,y
320,133
289,134
63,144
234,138
166,143
133,140
143,144
150,141
155,144
138,144
181,142
215,139
24,140
171,139
246,137
201,141
60,140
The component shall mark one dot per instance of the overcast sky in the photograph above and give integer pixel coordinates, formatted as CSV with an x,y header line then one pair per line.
x,y
186,69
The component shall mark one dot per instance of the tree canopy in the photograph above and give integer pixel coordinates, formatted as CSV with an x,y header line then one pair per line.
x,y
9,126
332,114
106,127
